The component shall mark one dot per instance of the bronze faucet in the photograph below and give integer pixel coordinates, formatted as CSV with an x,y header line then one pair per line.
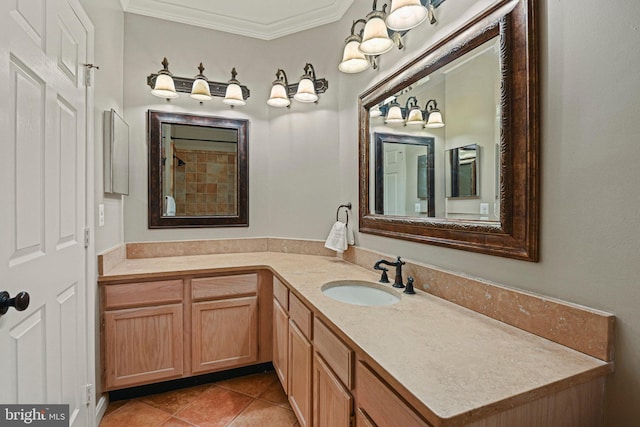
x,y
397,283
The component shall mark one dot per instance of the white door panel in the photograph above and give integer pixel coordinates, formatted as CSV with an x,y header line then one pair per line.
x,y
43,47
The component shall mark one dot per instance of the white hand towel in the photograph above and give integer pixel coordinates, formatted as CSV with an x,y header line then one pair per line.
x,y
351,239
170,206
337,239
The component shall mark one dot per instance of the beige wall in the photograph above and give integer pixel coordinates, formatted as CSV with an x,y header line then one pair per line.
x,y
108,20
304,161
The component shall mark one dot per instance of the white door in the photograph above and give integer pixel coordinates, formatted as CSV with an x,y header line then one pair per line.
x,y
394,179
43,46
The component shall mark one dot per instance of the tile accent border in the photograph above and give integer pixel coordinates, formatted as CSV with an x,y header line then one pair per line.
x,y
581,328
195,247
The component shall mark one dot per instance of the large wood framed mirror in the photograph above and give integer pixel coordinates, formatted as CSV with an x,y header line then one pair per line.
x,y
198,171
477,88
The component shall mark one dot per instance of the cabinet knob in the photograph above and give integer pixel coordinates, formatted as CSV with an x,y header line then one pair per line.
x,y
20,302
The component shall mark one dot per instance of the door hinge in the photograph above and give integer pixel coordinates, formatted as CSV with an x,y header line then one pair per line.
x,y
87,237
89,396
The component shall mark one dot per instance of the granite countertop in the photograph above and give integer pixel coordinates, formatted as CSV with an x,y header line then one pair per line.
x,y
454,361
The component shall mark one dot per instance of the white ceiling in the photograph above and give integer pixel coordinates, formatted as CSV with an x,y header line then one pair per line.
x,y
261,19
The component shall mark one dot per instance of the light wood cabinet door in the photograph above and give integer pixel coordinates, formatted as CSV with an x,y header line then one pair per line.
x,y
224,334
332,403
300,374
281,343
143,345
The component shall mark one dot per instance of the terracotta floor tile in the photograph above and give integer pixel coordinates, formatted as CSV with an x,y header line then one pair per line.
x,y
135,413
275,394
173,401
252,385
261,413
214,407
175,422
115,405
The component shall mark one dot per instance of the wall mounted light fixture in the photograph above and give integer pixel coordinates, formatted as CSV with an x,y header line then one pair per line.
x,y
383,30
306,90
163,84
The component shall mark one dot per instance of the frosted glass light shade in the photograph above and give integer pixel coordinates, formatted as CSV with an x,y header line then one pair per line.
x,y
353,61
306,91
415,117
200,90
435,120
278,97
375,111
394,115
375,40
164,87
405,14
233,95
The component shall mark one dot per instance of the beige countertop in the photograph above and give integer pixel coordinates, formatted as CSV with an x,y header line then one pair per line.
x,y
452,360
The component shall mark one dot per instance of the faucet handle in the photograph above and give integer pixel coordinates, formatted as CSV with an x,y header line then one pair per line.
x,y
383,278
400,261
409,288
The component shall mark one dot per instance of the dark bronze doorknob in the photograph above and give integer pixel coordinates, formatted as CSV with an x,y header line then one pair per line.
x,y
19,302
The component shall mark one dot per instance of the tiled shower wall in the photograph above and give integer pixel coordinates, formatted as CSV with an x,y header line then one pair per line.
x,y
206,183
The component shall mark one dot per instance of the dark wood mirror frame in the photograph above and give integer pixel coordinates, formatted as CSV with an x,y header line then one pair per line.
x,y
155,120
516,235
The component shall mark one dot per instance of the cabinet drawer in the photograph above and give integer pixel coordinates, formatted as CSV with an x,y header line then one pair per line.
x,y
337,355
281,293
143,293
224,286
381,403
301,315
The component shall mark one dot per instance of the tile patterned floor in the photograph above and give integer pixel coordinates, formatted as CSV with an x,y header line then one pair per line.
x,y
254,400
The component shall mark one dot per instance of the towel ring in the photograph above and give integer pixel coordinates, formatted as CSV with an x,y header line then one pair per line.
x,y
348,208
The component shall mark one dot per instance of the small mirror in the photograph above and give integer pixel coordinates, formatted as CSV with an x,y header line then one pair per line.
x,y
461,173
197,171
116,154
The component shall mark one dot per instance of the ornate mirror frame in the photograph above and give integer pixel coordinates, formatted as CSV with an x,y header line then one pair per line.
x,y
516,235
155,120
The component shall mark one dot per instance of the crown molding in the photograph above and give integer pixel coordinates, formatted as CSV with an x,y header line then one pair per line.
x,y
238,21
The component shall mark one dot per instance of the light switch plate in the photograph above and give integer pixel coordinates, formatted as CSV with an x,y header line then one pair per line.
x,y
484,208
101,215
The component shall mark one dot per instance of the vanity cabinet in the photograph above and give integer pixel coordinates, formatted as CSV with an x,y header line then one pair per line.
x,y
332,378
378,404
143,333
166,329
224,321
281,333
300,360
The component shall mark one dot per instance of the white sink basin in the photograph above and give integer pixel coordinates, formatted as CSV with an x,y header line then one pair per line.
x,y
360,293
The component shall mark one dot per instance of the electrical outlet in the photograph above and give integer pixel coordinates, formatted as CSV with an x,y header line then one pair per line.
x,y
100,215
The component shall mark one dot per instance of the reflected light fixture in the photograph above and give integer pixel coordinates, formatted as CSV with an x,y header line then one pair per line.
x,y
435,116
394,115
164,86
279,94
414,115
306,87
233,94
375,39
375,111
405,14
200,89
353,60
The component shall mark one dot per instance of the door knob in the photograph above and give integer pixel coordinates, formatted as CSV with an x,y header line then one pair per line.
x,y
19,302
